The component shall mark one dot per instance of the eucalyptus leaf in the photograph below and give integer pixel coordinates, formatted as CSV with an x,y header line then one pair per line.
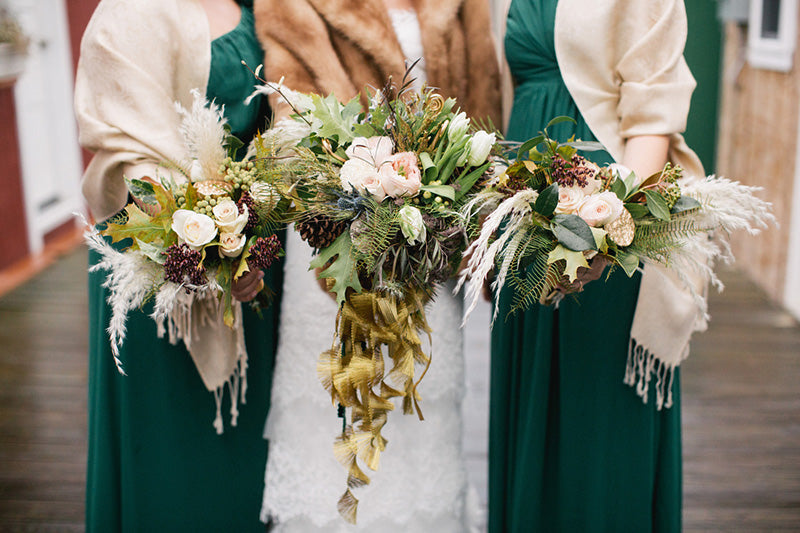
x,y
547,201
685,203
585,146
656,204
573,232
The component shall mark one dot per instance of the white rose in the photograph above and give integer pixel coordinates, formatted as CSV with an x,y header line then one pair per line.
x,y
592,186
458,127
229,220
479,147
569,198
374,150
412,225
194,229
600,209
622,172
231,244
354,173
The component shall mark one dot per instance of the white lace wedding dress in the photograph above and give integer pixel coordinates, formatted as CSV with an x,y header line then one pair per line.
x,y
421,486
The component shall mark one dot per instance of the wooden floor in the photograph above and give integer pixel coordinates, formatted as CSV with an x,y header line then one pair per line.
x,y
741,409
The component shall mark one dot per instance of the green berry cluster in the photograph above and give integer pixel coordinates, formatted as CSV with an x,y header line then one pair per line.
x,y
241,174
180,195
206,205
431,199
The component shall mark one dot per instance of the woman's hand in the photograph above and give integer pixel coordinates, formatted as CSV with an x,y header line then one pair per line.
x,y
597,266
248,286
646,154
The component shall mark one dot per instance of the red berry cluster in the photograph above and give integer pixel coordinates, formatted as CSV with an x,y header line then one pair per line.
x,y
252,216
569,173
182,265
264,252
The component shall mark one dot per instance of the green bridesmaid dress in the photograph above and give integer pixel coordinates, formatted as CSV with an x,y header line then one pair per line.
x,y
155,461
571,447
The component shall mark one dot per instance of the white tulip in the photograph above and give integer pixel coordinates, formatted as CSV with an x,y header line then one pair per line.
x,y
480,145
412,225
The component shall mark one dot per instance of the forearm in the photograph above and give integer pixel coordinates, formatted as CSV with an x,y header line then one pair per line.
x,y
646,154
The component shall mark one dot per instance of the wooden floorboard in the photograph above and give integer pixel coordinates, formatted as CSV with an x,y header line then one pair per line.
x,y
741,409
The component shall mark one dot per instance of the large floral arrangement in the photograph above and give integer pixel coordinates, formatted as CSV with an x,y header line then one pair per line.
x,y
378,192
552,211
189,233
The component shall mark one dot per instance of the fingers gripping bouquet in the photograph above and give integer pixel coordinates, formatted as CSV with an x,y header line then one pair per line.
x,y
552,211
378,195
186,238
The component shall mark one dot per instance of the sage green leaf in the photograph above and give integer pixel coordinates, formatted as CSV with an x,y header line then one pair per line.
x,y
559,120
585,146
656,204
153,252
573,232
685,203
547,201
618,187
428,166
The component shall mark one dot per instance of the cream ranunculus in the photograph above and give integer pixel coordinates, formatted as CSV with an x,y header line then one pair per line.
x,y
231,244
458,127
194,229
229,220
598,210
400,175
569,198
412,225
373,150
480,145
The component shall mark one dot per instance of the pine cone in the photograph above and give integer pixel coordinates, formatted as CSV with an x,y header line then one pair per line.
x,y
320,231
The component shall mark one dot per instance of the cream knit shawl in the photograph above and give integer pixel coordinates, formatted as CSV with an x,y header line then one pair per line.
x,y
138,58
623,65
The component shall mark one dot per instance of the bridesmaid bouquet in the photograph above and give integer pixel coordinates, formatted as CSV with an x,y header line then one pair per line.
x,y
204,224
552,211
378,193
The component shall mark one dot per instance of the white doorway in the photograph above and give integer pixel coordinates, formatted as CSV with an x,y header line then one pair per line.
x,y
47,133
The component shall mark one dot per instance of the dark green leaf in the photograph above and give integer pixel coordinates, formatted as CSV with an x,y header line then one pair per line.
x,y
559,120
232,145
657,205
529,145
618,187
685,203
573,232
637,210
547,201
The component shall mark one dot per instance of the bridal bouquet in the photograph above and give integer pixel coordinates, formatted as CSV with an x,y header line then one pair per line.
x,y
552,211
378,194
188,235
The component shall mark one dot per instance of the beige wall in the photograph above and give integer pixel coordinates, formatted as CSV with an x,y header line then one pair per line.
x,y
758,146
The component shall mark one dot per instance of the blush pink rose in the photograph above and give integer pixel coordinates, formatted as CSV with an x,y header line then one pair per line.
x,y
569,198
598,210
400,175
